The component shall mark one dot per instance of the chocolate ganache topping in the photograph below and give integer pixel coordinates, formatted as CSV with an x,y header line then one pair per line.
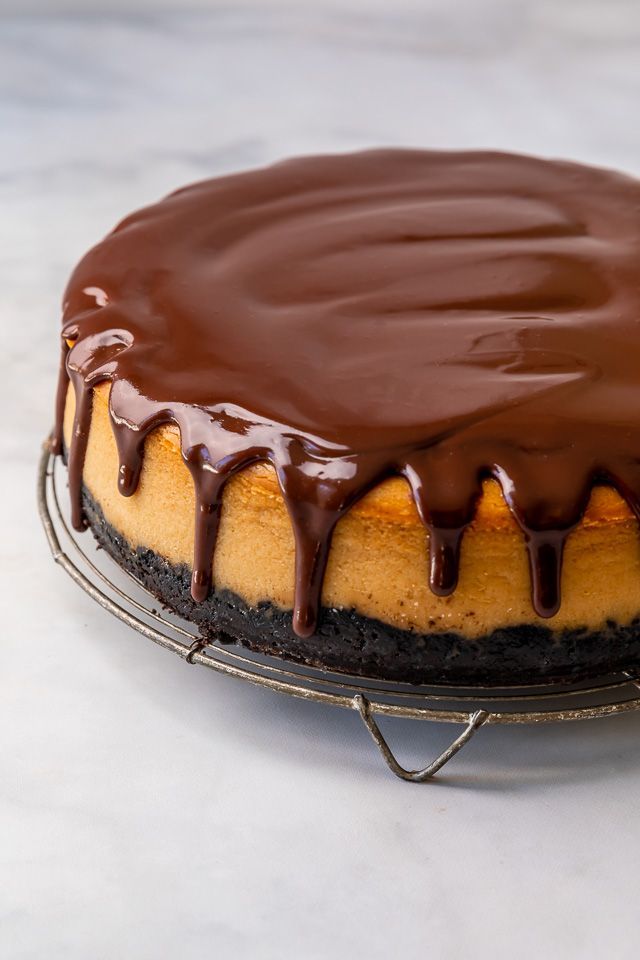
x,y
444,316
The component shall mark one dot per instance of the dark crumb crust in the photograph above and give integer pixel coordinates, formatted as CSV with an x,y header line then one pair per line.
x,y
348,642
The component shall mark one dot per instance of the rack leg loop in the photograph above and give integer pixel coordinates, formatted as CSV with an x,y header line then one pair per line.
x,y
362,705
194,648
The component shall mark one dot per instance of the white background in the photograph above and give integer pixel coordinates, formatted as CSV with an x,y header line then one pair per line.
x,y
149,809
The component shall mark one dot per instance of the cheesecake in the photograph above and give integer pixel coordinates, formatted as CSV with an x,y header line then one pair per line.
x,y
377,413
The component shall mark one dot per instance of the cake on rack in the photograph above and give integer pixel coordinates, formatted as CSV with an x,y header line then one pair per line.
x,y
377,412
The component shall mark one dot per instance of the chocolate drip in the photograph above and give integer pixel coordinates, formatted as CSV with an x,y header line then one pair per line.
x,y
445,496
313,528
56,442
444,558
208,485
545,563
444,316
130,452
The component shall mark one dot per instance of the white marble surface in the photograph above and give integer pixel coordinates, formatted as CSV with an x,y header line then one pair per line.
x,y
149,809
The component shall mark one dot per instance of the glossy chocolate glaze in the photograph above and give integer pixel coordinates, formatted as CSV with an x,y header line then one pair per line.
x,y
443,316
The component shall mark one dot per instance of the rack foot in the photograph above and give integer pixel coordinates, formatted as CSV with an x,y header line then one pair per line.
x,y
361,704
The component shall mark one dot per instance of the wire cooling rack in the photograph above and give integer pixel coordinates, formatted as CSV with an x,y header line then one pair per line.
x,y
125,598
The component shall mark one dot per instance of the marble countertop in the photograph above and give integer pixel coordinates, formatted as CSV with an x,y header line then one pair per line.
x,y
149,809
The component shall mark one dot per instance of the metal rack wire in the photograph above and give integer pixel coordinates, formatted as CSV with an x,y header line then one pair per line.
x,y
125,598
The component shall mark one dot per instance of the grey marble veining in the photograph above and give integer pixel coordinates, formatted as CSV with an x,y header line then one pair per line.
x,y
149,810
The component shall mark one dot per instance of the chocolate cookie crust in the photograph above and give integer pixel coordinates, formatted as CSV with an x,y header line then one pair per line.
x,y
345,641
